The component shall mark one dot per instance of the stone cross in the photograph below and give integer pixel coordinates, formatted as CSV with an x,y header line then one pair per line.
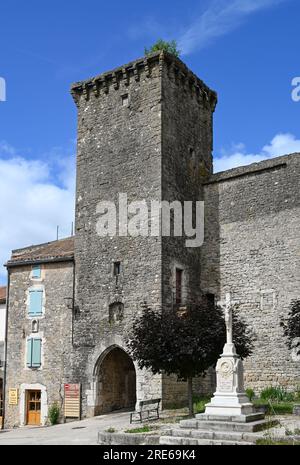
x,y
227,308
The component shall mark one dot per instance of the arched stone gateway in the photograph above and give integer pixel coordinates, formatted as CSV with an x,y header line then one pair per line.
x,y
115,380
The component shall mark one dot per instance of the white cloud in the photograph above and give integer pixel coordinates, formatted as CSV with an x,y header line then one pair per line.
x,y
36,196
221,17
281,144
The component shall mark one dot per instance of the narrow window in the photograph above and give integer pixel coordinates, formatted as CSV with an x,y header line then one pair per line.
x,y
117,268
125,100
179,275
34,352
36,272
36,303
35,326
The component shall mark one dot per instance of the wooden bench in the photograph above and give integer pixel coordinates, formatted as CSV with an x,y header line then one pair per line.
x,y
148,410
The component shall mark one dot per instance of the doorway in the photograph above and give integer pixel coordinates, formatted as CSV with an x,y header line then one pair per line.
x,y
33,408
116,382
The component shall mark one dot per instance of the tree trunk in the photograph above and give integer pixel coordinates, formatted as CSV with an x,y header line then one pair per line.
x,y
190,396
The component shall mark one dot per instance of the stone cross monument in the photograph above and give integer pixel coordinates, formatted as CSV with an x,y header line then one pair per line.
x,y
230,399
228,317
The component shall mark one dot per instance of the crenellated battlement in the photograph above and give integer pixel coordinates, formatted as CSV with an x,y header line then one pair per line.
x,y
143,68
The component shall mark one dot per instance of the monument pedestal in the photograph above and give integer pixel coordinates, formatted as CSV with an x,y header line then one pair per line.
x,y
230,399
230,416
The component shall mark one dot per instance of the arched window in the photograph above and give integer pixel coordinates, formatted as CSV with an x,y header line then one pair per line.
x,y
35,326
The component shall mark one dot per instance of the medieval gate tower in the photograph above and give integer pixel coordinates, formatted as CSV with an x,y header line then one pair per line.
x,y
145,130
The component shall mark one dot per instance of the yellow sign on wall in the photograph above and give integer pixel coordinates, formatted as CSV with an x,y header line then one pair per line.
x,y
13,397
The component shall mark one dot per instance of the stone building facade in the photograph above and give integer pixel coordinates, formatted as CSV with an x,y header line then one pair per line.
x,y
3,291
145,130
39,337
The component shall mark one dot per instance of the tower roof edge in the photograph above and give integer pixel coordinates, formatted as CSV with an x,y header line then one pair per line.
x,y
136,66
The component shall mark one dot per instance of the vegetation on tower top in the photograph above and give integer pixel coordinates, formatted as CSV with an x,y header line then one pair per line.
x,y
170,47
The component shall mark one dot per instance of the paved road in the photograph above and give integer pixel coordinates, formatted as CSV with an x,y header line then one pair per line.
x,y
78,433
86,432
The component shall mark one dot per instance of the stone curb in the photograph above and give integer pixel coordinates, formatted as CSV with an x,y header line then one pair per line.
x,y
127,439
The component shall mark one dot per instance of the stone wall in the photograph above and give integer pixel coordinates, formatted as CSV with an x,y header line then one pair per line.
x,y
187,135
187,144
55,329
251,249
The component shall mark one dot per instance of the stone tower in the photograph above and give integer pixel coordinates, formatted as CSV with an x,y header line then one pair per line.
x,y
145,130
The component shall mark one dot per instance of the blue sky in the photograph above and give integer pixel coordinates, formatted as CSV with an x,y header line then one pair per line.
x,y
247,50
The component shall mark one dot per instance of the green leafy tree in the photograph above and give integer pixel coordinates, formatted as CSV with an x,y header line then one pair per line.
x,y
291,327
185,343
170,47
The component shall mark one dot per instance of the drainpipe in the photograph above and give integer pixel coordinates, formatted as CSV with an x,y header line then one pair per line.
x,y
5,347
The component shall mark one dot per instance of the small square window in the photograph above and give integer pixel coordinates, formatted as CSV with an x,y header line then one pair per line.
x,y
117,268
125,100
36,272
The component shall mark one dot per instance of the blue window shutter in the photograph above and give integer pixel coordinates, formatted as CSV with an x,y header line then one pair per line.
x,y
36,303
36,272
29,352
36,353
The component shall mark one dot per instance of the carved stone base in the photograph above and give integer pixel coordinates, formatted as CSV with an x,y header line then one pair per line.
x,y
230,398
229,405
